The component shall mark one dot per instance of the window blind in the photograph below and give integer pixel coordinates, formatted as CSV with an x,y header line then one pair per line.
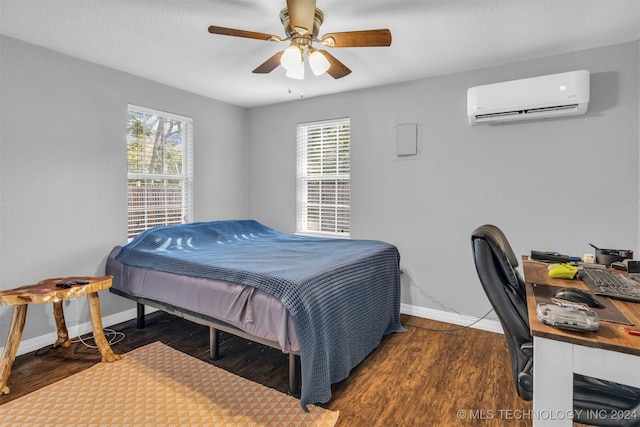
x,y
323,177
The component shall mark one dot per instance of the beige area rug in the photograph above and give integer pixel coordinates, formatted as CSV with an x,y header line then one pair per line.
x,y
156,385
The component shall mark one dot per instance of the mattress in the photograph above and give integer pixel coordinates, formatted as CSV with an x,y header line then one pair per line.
x,y
245,307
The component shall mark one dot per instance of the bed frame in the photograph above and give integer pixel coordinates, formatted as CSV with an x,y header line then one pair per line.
x,y
215,325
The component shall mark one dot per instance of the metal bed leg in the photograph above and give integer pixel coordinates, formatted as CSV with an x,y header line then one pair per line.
x,y
294,375
140,316
214,343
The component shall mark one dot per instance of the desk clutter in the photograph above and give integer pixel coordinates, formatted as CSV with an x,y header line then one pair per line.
x,y
600,279
597,271
581,310
607,257
574,315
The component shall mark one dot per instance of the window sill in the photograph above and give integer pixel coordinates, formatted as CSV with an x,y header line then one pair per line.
x,y
323,234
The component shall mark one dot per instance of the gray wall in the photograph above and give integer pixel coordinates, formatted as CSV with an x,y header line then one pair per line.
x,y
63,169
533,179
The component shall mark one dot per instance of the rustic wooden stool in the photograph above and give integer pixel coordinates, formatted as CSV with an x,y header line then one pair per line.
x,y
53,291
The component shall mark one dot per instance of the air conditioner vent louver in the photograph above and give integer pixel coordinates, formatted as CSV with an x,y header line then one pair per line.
x,y
555,95
556,108
518,115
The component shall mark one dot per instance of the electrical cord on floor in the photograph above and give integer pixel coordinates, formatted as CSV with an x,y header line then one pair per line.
x,y
444,307
422,291
112,337
451,329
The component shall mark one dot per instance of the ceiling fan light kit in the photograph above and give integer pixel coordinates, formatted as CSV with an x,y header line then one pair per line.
x,y
292,57
296,72
318,62
301,20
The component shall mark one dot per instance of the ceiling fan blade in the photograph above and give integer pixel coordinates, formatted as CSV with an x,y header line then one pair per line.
x,y
301,15
242,33
337,69
270,64
365,38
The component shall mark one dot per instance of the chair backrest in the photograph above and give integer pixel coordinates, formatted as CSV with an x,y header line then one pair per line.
x,y
496,267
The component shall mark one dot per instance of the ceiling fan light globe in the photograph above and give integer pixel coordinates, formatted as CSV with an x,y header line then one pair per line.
x,y
318,62
296,72
291,57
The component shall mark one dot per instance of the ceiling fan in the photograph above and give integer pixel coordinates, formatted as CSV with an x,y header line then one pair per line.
x,y
302,20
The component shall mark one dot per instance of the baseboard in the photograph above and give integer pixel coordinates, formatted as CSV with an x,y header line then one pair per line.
x,y
36,343
454,318
42,341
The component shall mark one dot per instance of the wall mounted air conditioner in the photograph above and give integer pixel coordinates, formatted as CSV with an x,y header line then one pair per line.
x,y
555,95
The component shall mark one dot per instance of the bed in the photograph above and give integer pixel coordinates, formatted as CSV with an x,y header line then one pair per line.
x,y
329,300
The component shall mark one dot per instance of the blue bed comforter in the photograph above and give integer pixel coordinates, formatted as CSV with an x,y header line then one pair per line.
x,y
344,295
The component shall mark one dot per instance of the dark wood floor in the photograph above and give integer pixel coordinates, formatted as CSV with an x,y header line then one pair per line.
x,y
422,377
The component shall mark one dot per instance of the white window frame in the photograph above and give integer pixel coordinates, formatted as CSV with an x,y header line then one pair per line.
x,y
186,177
317,215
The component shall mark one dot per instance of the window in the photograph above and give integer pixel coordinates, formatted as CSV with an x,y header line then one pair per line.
x,y
160,169
323,182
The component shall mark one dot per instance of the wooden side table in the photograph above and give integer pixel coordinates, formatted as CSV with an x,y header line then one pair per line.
x,y
47,291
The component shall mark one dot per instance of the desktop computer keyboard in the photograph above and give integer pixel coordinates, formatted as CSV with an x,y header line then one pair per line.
x,y
609,284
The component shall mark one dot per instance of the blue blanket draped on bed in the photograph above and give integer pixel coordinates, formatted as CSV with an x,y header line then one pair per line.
x,y
343,294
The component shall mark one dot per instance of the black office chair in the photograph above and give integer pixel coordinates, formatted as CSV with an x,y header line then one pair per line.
x,y
496,266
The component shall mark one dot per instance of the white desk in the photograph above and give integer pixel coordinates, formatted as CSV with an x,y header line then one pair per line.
x,y
609,354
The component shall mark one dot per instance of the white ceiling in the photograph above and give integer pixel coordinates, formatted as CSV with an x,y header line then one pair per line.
x,y
167,40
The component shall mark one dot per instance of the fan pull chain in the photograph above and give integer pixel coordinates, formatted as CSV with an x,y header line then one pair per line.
x,y
290,90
